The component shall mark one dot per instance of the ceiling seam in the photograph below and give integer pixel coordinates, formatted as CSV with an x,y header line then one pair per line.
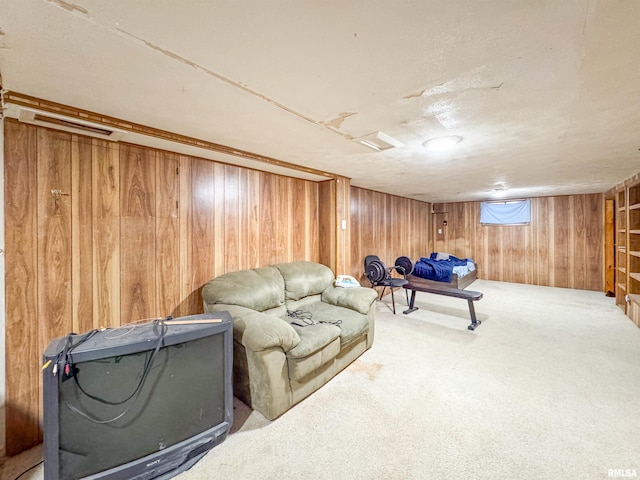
x,y
228,81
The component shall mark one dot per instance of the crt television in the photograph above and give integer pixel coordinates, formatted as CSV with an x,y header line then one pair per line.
x,y
142,401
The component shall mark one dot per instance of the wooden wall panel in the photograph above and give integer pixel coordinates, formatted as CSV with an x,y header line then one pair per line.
x,y
545,241
138,270
202,225
54,307
105,177
167,238
561,247
561,233
578,239
387,226
250,219
312,220
54,234
219,221
282,211
343,235
268,219
133,234
326,223
530,249
21,288
138,234
81,235
137,181
334,212
594,250
299,205
188,302
231,229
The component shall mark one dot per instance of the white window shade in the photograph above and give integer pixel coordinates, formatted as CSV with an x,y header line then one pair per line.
x,y
515,212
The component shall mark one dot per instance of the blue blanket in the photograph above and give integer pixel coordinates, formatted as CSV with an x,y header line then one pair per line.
x,y
439,270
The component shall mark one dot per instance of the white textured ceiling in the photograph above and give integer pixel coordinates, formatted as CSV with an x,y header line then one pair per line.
x,y
546,94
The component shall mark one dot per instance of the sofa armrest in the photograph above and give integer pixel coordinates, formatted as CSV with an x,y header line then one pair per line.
x,y
359,299
258,331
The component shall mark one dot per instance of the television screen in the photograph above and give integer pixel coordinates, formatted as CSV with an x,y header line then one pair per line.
x,y
139,401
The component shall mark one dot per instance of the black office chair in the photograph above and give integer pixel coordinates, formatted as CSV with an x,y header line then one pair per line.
x,y
380,276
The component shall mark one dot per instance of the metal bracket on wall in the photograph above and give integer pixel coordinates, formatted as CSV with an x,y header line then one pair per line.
x,y
58,193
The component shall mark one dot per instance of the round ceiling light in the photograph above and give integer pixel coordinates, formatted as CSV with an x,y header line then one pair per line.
x,y
440,144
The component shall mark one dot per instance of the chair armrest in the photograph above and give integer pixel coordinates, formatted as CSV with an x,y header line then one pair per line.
x,y
399,269
358,298
258,331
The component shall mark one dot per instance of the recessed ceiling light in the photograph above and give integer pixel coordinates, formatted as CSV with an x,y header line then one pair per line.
x,y
440,144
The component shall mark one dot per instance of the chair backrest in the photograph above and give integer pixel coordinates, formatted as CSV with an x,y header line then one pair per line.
x,y
370,258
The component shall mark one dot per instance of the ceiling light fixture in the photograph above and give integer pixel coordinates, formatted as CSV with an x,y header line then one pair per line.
x,y
440,144
370,145
379,141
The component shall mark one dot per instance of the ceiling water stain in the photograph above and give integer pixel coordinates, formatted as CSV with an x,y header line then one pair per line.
x,y
337,122
69,7
415,95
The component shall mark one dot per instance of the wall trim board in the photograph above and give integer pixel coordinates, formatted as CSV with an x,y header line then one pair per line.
x,y
2,299
23,100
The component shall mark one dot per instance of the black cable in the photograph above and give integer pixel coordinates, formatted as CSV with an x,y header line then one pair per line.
x,y
337,323
136,392
304,317
307,320
65,354
104,401
29,469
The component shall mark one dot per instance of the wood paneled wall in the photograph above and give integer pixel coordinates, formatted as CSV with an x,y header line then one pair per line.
x,y
335,241
104,234
387,226
561,247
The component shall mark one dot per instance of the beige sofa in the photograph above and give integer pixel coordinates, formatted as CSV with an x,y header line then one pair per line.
x,y
293,330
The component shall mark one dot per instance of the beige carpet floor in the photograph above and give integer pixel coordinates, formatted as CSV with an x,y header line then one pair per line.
x,y
548,387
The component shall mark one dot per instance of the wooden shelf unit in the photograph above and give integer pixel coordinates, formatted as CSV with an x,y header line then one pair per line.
x,y
633,244
628,250
621,250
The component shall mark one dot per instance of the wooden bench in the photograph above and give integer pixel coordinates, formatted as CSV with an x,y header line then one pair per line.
x,y
469,295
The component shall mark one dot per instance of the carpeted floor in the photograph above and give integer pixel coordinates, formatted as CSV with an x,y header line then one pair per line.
x,y
548,387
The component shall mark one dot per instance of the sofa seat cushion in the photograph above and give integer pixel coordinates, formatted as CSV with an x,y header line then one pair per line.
x,y
352,324
319,344
301,367
312,338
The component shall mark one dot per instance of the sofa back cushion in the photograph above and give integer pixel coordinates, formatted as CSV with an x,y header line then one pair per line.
x,y
302,279
259,289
